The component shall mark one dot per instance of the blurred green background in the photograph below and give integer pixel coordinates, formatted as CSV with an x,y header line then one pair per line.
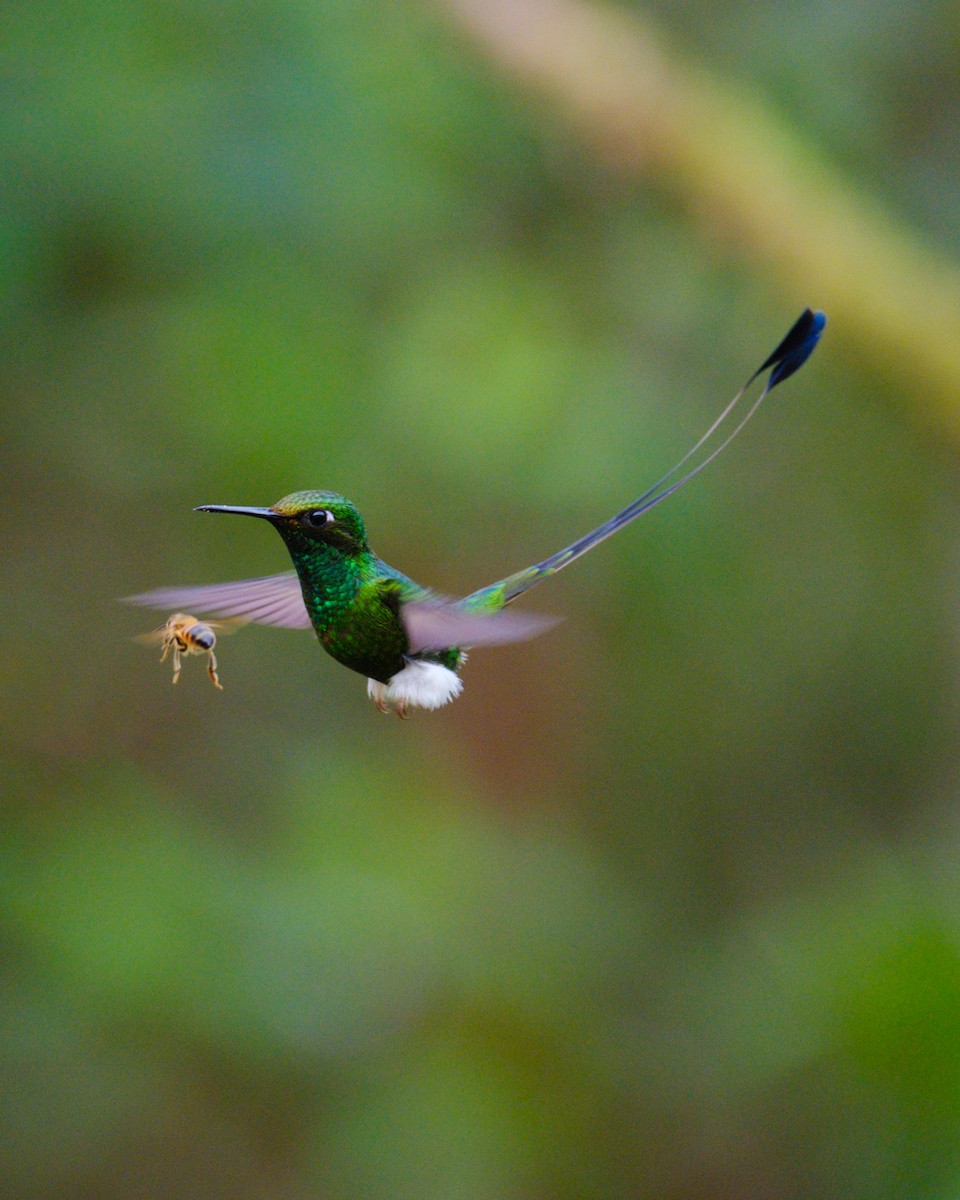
x,y
668,903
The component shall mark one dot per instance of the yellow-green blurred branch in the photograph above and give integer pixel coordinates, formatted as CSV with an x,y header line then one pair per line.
x,y
749,180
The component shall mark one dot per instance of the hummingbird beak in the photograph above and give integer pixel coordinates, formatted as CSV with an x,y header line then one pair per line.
x,y
267,513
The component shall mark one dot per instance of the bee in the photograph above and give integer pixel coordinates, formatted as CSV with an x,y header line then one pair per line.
x,y
183,634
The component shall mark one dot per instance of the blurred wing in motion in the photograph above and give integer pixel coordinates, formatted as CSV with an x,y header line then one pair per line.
x,y
157,636
440,625
269,600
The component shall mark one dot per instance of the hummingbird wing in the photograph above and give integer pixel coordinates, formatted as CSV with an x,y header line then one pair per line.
x,y
269,600
437,624
790,355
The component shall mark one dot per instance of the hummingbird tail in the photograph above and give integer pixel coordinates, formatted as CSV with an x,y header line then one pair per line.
x,y
789,356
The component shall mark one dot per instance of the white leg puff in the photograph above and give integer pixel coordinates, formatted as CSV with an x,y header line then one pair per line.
x,y
419,685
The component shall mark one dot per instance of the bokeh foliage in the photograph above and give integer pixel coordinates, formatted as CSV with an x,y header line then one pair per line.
x,y
667,903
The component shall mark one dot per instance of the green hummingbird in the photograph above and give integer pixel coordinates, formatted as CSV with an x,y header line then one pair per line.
x,y
407,640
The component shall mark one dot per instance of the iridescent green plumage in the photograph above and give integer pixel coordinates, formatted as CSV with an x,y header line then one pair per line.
x,y
377,621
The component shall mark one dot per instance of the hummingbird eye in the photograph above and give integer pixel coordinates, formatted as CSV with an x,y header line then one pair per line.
x,y
316,518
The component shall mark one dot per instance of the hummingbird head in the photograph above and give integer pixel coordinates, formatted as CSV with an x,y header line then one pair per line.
x,y
310,521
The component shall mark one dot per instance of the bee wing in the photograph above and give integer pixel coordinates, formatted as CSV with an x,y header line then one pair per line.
x,y
440,624
269,600
229,624
153,638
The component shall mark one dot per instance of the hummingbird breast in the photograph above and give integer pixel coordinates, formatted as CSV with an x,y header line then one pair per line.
x,y
368,638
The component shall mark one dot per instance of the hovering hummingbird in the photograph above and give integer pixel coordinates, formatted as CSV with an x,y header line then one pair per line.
x,y
407,640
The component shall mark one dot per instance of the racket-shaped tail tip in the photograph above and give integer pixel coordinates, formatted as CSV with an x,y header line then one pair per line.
x,y
799,343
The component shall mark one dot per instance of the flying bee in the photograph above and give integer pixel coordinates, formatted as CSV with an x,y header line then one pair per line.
x,y
183,634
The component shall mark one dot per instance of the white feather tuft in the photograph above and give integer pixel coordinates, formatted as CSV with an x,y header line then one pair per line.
x,y
420,684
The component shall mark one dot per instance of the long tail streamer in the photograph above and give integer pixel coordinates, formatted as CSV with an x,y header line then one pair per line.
x,y
789,356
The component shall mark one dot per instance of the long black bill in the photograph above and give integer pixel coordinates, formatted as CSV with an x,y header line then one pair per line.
x,y
266,513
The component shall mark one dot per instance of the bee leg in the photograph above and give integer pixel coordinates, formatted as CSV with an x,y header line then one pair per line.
x,y
176,663
212,670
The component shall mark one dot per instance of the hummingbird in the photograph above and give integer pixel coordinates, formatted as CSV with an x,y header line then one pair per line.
x,y
407,640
